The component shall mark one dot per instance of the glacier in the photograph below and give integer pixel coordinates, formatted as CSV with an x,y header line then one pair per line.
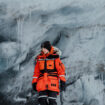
x,y
76,27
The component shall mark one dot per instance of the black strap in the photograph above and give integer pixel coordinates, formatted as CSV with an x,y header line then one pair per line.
x,y
45,68
41,75
52,56
52,75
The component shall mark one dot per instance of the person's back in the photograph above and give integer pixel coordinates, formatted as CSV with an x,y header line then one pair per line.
x,y
48,70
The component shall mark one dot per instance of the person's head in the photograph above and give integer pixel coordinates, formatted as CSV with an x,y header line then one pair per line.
x,y
46,47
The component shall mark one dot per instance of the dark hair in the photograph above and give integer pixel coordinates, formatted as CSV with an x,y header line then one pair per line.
x,y
46,44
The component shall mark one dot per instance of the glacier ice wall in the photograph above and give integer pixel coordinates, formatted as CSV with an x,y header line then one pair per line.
x,y
77,28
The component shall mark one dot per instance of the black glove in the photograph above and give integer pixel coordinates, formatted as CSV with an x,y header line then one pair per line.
x,y
34,86
62,85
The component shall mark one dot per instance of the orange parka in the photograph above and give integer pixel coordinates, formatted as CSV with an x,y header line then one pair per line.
x,y
48,70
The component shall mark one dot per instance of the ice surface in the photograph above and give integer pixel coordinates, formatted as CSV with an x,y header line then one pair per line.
x,y
76,27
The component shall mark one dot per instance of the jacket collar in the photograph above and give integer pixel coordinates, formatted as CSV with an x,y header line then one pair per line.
x,y
50,54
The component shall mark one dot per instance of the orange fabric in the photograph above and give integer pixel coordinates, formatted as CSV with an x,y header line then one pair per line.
x,y
60,69
50,64
36,73
41,65
48,82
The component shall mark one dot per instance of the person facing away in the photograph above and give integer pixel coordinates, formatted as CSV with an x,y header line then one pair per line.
x,y
49,70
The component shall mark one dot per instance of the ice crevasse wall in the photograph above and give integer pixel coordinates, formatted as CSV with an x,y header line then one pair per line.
x,y
76,27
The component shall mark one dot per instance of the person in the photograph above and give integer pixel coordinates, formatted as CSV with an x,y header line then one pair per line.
x,y
48,73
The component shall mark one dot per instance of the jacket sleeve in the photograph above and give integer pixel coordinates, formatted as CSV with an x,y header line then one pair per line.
x,y
60,69
36,73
